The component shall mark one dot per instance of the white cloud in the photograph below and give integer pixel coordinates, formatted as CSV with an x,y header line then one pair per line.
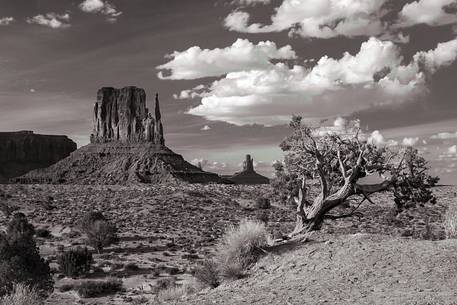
x,y
445,136
6,20
210,165
410,141
206,128
317,18
452,150
103,7
241,55
377,138
443,55
250,2
431,12
375,75
52,20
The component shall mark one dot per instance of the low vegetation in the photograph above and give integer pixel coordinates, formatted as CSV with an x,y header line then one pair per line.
x,y
99,231
22,295
20,260
450,221
240,247
94,289
75,262
207,273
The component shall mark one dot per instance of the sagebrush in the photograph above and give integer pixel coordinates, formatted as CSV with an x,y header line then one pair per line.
x,y
22,295
240,247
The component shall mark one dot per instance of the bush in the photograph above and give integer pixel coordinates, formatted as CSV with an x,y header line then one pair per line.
x,y
95,289
22,295
174,293
450,221
240,248
263,203
207,273
43,233
75,262
100,232
20,260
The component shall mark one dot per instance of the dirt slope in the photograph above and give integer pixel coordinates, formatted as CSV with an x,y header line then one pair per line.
x,y
348,269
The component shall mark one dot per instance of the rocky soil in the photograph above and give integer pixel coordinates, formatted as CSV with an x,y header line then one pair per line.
x,y
166,229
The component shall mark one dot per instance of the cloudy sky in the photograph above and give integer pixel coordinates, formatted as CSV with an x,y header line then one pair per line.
x,y
230,73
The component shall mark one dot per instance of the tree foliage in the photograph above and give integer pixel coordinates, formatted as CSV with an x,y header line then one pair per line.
x,y
337,161
20,260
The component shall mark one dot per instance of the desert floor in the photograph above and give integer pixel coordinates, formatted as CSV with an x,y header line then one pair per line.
x,y
380,258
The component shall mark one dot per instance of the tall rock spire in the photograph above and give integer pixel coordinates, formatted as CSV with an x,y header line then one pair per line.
x,y
158,133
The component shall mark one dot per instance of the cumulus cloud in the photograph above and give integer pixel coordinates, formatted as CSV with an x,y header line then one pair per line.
x,y
375,75
210,165
431,12
242,55
103,7
206,128
452,150
410,141
445,135
443,55
52,20
6,20
317,18
377,138
250,2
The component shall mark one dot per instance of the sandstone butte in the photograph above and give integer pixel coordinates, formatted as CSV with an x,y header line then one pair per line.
x,y
127,146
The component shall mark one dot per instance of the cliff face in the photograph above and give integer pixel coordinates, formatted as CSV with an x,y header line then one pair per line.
x,y
120,115
24,151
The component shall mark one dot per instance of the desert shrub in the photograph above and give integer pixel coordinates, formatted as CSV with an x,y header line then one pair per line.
x,y
207,273
165,283
241,247
263,203
20,260
94,289
131,267
450,221
100,232
7,209
43,233
66,287
174,293
263,216
22,295
75,262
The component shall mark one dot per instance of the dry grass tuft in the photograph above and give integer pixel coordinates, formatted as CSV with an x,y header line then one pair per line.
x,y
450,221
241,247
22,295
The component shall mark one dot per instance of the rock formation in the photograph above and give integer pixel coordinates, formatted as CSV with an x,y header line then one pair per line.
x,y
120,115
127,146
248,174
24,151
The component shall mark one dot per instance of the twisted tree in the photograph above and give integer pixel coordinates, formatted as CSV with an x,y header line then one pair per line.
x,y
338,161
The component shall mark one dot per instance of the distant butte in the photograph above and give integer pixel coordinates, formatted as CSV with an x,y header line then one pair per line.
x,y
248,175
23,151
127,146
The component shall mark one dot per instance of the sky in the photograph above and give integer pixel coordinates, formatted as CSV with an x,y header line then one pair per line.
x,y
231,73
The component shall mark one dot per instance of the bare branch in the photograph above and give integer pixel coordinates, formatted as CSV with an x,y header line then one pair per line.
x,y
342,168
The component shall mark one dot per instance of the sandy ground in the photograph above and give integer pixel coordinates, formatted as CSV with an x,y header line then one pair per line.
x,y
347,269
166,229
